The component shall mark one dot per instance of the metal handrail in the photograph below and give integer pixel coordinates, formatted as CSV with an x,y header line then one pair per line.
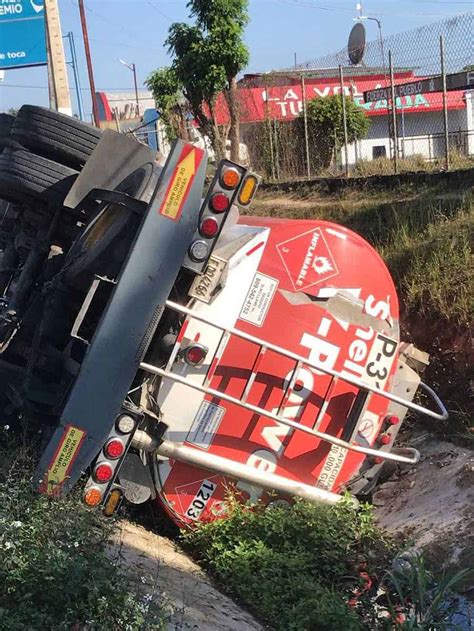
x,y
334,373
395,455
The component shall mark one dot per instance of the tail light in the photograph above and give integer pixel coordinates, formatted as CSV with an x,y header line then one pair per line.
x,y
248,189
103,472
114,448
209,227
384,439
392,419
219,203
92,496
230,177
198,251
125,423
195,354
113,502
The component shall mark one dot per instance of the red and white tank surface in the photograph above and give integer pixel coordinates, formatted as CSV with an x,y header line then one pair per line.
x,y
315,289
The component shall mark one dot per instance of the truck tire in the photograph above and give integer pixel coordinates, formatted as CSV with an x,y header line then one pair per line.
x,y
6,122
55,136
25,176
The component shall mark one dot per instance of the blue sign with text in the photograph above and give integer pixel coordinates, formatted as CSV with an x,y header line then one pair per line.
x,y
22,33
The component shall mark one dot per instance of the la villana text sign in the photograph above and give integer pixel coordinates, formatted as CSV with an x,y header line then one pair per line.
x,y
22,33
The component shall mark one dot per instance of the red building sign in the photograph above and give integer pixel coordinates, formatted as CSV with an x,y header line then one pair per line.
x,y
260,100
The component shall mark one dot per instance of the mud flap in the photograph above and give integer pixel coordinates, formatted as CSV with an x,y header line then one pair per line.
x,y
135,480
114,158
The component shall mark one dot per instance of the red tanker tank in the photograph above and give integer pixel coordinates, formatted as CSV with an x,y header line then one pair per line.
x,y
317,290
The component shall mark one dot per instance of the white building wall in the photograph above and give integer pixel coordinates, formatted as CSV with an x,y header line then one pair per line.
x,y
470,121
420,133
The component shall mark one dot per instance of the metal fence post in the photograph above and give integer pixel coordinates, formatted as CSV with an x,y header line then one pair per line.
x,y
445,103
268,122
305,117
276,151
344,120
394,114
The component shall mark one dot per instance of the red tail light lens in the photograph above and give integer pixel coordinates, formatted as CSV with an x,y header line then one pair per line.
x,y
195,354
219,203
384,439
209,227
103,472
114,449
392,419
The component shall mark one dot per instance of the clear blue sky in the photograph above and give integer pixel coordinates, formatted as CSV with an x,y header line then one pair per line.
x,y
135,30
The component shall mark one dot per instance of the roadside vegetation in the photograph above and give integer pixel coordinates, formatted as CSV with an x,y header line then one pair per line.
x,y
54,569
308,567
416,162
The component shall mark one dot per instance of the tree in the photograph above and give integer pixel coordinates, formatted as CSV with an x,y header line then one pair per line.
x,y
168,94
326,127
207,56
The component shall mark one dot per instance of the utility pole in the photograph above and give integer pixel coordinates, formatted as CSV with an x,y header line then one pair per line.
x,y
90,72
73,64
57,72
133,68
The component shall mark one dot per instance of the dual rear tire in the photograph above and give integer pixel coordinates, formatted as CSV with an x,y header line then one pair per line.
x,y
44,152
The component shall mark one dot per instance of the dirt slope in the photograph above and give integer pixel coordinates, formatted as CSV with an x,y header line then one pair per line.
x,y
432,503
190,599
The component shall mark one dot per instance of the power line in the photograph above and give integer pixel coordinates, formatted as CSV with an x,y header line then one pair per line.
x,y
43,87
153,6
333,9
136,36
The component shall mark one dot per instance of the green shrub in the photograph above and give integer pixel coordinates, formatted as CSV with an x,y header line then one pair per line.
x,y
54,571
295,567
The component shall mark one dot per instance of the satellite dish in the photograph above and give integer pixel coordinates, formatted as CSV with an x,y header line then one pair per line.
x,y
356,43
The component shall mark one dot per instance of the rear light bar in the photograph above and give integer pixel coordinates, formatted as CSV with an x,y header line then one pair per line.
x,y
100,490
223,192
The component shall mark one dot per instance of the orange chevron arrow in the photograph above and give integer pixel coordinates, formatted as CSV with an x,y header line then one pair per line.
x,y
180,183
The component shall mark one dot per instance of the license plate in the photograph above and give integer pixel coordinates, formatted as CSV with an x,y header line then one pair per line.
x,y
379,364
204,286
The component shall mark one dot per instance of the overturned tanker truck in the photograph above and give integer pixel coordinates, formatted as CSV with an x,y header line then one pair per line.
x,y
172,349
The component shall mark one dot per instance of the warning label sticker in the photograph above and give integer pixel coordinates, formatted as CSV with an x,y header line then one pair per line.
x,y
258,299
205,424
307,259
180,182
332,467
64,457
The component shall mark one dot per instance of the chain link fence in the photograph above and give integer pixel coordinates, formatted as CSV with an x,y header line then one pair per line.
x,y
417,130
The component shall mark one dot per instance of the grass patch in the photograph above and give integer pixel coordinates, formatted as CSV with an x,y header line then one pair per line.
x,y
54,570
425,236
432,267
414,163
305,567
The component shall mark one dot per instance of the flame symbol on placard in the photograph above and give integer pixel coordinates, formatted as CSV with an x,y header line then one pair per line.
x,y
321,265
37,7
